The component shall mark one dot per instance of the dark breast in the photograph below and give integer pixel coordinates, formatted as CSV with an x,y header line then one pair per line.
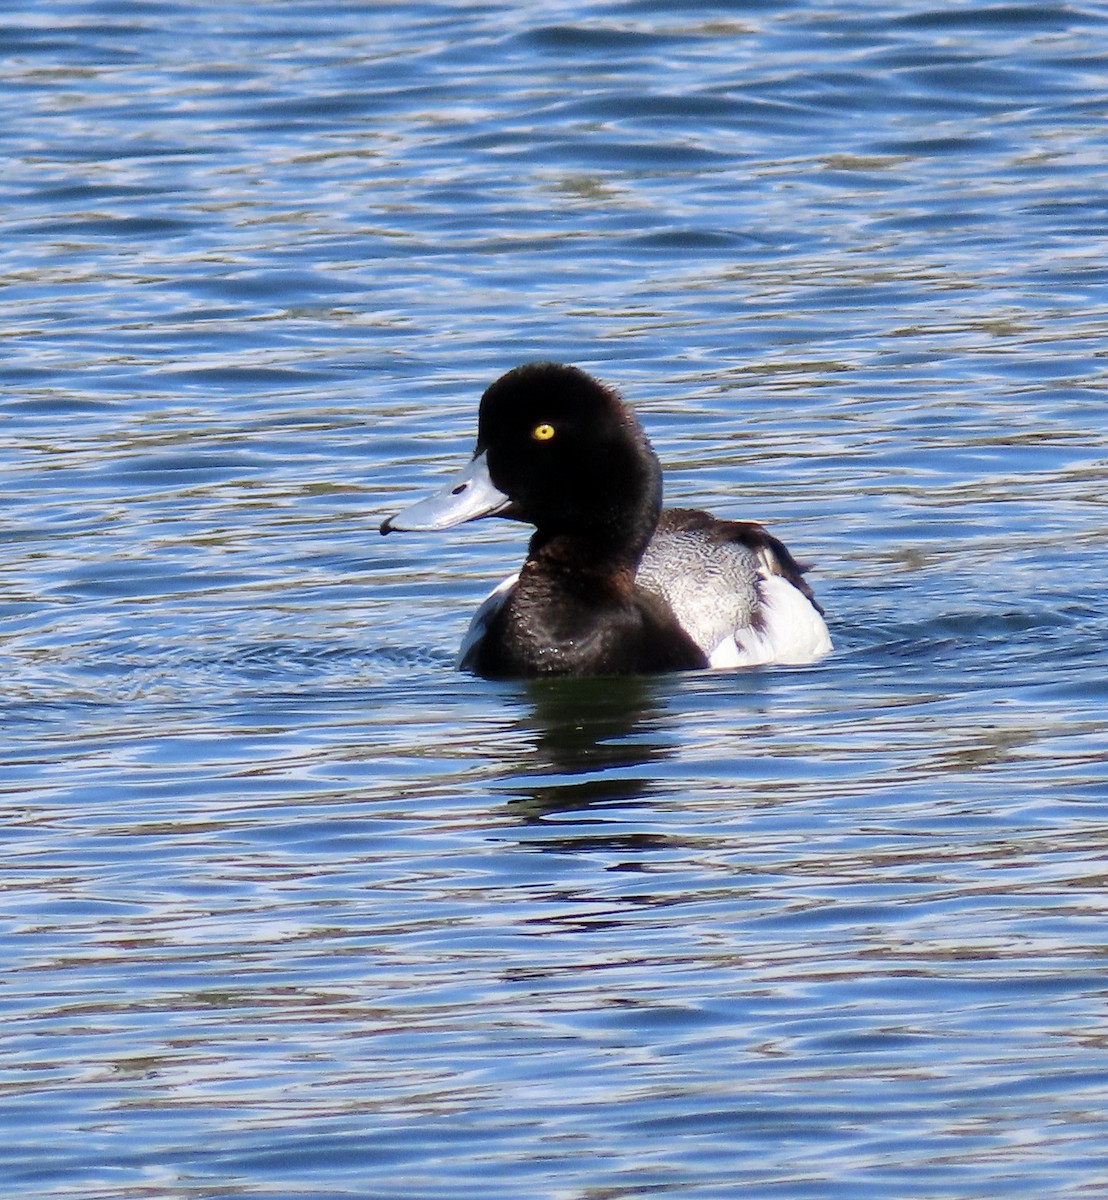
x,y
578,624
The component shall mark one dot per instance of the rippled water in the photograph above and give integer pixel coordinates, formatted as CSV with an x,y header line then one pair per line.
x,y
291,908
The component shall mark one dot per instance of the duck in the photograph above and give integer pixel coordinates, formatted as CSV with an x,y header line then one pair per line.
x,y
613,583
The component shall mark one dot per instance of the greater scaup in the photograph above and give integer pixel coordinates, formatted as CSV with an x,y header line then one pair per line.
x,y
613,584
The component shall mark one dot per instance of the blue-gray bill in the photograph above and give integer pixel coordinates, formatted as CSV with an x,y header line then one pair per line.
x,y
469,495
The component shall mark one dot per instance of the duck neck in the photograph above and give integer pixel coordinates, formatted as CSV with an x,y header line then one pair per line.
x,y
609,545
602,520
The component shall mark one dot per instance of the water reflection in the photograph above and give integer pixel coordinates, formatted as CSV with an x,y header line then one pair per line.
x,y
596,742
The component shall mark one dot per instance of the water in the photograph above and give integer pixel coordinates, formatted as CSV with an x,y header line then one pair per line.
x,y
290,908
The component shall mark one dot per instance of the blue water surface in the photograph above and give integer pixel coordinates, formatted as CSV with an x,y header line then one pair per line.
x,y
290,907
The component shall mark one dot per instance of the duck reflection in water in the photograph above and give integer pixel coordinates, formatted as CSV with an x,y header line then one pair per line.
x,y
599,742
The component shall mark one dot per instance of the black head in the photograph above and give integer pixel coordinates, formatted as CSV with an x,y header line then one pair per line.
x,y
571,457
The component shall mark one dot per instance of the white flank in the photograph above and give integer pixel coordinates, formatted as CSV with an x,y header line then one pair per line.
x,y
792,632
482,618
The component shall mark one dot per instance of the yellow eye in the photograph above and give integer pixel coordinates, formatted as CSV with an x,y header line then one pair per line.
x,y
543,432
